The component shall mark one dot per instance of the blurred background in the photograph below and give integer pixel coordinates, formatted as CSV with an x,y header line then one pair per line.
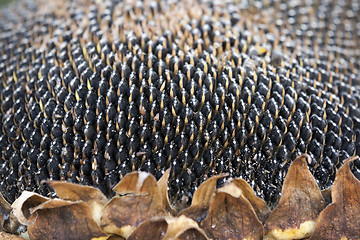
x,y
5,2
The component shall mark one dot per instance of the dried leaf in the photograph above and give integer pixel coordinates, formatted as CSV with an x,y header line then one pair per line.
x,y
5,209
75,192
27,200
137,182
60,219
300,204
163,187
114,237
326,193
231,216
166,228
261,209
190,234
341,219
204,193
201,200
154,228
183,228
12,225
6,236
8,222
143,201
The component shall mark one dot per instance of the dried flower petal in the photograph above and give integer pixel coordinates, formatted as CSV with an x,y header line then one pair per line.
x,y
75,192
114,237
141,202
5,209
6,236
137,182
341,219
27,200
326,193
260,207
168,228
154,228
8,222
231,216
201,201
163,187
300,204
60,219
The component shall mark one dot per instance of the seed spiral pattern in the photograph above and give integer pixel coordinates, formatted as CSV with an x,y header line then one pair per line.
x,y
92,90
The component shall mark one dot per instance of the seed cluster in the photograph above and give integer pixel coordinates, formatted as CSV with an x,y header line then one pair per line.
x,y
92,90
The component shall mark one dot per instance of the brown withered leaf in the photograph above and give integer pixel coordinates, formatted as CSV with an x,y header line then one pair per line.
x,y
163,187
166,228
261,209
190,234
137,182
60,219
6,236
12,225
326,193
22,205
201,201
341,219
114,237
8,221
5,209
183,228
154,228
300,204
231,216
75,192
141,202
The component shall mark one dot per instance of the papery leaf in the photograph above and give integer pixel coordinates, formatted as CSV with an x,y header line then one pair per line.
x,y
231,216
326,193
190,234
12,225
123,214
261,209
141,202
137,182
184,228
60,219
341,219
163,187
154,228
114,237
27,200
201,201
6,236
75,192
8,222
166,228
203,194
5,209
300,204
